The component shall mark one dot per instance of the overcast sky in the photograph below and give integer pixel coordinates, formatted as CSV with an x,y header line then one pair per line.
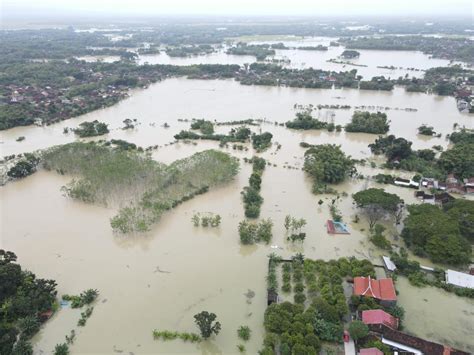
x,y
240,7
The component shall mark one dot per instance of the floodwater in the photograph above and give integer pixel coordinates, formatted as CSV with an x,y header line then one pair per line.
x,y
368,64
225,100
160,279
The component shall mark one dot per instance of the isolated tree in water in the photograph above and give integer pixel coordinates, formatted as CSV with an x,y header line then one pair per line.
x,y
204,321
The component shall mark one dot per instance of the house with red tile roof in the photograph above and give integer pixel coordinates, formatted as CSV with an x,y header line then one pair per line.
x,y
382,290
378,316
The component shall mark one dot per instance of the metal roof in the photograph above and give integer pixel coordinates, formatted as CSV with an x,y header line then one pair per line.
x,y
460,279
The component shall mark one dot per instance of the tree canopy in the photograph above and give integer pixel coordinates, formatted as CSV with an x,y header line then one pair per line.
x,y
430,231
459,160
327,163
23,297
377,203
364,121
204,321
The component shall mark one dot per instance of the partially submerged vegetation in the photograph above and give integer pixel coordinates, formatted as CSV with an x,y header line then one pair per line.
x,y
327,163
91,129
294,227
364,121
253,232
167,335
188,51
458,160
378,204
441,235
251,194
304,121
259,51
25,302
24,166
85,298
206,220
144,187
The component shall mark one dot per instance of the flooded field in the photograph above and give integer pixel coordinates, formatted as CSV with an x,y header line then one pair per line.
x,y
160,279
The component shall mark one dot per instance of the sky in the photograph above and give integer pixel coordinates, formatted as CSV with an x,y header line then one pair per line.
x,y
238,7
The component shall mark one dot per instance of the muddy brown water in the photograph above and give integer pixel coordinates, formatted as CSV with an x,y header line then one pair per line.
x,y
160,279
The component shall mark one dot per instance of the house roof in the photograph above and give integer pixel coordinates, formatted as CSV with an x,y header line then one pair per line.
x,y
382,289
460,279
370,351
378,316
389,263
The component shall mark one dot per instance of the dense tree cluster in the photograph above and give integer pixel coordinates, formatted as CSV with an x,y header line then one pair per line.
x,y
259,51
261,142
24,167
462,136
430,231
377,83
304,120
426,130
364,121
327,163
251,232
251,194
459,160
206,127
188,51
91,129
376,204
23,299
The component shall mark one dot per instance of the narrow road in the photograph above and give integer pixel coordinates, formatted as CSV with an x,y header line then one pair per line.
x,y
349,347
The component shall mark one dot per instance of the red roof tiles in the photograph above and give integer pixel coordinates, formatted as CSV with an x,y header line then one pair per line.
x,y
370,351
382,289
378,316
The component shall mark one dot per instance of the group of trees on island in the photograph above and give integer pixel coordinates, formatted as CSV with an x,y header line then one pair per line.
x,y
255,232
458,160
327,163
426,130
188,51
364,121
259,51
251,194
236,135
91,129
305,121
24,167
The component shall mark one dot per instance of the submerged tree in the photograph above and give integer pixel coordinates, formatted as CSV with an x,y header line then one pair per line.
x,y
327,163
204,321
376,203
